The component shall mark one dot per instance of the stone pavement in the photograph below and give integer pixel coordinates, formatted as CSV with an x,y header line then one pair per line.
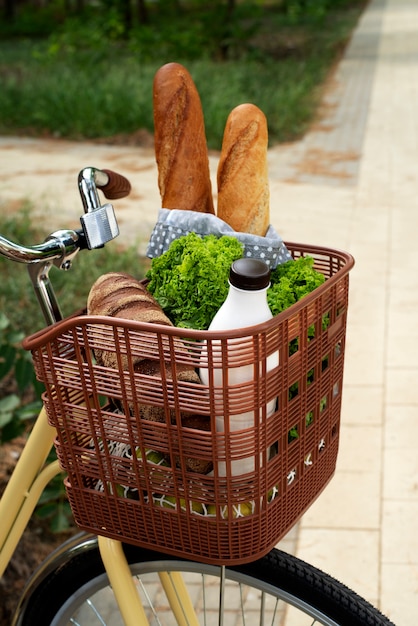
x,y
351,183
363,527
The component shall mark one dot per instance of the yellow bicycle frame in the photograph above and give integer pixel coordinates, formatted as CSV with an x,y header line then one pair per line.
x,y
25,486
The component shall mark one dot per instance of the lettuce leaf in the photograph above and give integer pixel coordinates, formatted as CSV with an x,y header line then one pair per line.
x,y
190,280
291,281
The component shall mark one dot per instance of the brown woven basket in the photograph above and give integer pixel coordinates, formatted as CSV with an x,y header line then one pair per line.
x,y
131,478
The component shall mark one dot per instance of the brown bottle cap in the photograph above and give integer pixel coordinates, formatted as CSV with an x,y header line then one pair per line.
x,y
249,274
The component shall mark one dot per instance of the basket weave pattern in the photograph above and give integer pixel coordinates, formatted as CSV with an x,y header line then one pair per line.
x,y
97,409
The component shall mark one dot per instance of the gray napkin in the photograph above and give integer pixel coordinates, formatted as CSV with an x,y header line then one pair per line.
x,y
174,223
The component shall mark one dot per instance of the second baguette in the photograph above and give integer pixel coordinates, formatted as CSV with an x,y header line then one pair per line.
x,y
243,185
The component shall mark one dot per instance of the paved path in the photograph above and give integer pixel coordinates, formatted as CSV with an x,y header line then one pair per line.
x,y
352,183
363,527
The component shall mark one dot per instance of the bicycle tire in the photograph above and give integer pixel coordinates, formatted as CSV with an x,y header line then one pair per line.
x,y
297,586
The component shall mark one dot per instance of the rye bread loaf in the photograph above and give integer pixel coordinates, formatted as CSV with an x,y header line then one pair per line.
x,y
117,294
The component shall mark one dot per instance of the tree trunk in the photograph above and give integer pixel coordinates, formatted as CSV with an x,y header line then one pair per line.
x,y
126,14
79,6
142,12
9,10
224,45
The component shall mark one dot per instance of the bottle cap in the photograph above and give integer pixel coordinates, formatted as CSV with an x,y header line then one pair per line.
x,y
249,274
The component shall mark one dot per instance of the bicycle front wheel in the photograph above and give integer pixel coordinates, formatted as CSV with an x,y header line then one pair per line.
x,y
278,590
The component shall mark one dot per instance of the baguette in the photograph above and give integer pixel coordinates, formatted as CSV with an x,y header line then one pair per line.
x,y
180,142
243,185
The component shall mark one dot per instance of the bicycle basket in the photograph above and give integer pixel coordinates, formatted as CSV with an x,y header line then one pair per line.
x,y
134,441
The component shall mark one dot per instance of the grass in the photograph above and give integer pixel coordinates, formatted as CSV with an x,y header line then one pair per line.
x,y
60,85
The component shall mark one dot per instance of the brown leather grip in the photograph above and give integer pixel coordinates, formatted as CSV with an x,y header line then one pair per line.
x,y
117,187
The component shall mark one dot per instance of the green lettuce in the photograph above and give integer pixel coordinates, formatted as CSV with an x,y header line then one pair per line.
x,y
291,281
190,280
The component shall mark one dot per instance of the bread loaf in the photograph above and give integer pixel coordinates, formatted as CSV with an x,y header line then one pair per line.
x,y
243,185
117,294
180,141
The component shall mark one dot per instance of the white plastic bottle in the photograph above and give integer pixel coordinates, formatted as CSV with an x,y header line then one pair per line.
x,y
245,305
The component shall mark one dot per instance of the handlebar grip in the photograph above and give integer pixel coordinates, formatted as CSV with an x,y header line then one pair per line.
x,y
117,186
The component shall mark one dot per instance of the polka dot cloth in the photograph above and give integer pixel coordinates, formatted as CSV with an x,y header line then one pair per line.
x,y
173,224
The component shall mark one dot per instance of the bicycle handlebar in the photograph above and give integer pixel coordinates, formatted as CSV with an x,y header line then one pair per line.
x,y
65,243
98,226
57,245
113,185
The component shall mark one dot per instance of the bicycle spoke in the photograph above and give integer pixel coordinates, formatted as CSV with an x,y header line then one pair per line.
x,y
149,600
276,607
221,596
242,605
96,612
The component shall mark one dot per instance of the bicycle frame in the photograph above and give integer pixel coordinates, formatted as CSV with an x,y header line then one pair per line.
x,y
18,502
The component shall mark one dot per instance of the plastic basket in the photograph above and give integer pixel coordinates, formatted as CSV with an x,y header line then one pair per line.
x,y
129,477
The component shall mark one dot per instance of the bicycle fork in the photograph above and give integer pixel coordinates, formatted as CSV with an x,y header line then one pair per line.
x,y
126,593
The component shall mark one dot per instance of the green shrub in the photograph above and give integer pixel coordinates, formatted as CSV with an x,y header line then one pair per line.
x,y
15,365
